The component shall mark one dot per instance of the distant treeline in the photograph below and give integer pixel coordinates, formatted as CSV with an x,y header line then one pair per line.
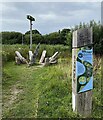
x,y
63,36
52,38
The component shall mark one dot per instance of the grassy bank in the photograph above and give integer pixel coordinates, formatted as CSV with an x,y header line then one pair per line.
x,y
44,92
37,92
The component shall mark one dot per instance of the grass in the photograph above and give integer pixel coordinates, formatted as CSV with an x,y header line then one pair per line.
x,y
43,92
8,51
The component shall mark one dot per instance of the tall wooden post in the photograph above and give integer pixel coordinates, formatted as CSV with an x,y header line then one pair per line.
x,y
30,34
31,19
0,78
82,70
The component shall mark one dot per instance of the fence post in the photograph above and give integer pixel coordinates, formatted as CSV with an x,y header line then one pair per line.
x,y
82,71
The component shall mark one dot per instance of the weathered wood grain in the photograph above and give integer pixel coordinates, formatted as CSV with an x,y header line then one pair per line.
x,y
42,57
19,58
81,102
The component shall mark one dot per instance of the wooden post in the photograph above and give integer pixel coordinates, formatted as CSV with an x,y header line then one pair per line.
x,y
82,71
19,58
46,63
29,17
30,34
54,57
32,56
42,57
51,60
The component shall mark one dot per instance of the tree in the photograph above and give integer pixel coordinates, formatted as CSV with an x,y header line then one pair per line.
x,y
36,38
52,38
11,37
69,40
63,35
33,32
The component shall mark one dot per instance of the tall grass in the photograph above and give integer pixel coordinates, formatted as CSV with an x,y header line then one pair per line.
x,y
46,92
8,51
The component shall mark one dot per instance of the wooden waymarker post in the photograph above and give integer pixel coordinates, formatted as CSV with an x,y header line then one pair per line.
x,y
82,71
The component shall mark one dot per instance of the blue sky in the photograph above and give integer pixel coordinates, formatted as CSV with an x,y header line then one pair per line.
x,y
50,16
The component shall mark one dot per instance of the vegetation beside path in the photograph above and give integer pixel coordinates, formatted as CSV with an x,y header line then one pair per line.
x,y
43,92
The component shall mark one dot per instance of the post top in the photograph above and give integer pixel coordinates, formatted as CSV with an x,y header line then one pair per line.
x,y
30,18
82,37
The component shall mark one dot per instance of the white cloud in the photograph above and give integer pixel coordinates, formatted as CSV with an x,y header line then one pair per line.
x,y
49,16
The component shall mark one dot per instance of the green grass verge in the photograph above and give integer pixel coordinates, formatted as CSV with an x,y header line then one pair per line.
x,y
42,92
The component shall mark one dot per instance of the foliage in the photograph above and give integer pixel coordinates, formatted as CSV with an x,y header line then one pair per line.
x,y
11,37
69,40
33,32
61,37
8,51
97,90
36,38
97,35
52,38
